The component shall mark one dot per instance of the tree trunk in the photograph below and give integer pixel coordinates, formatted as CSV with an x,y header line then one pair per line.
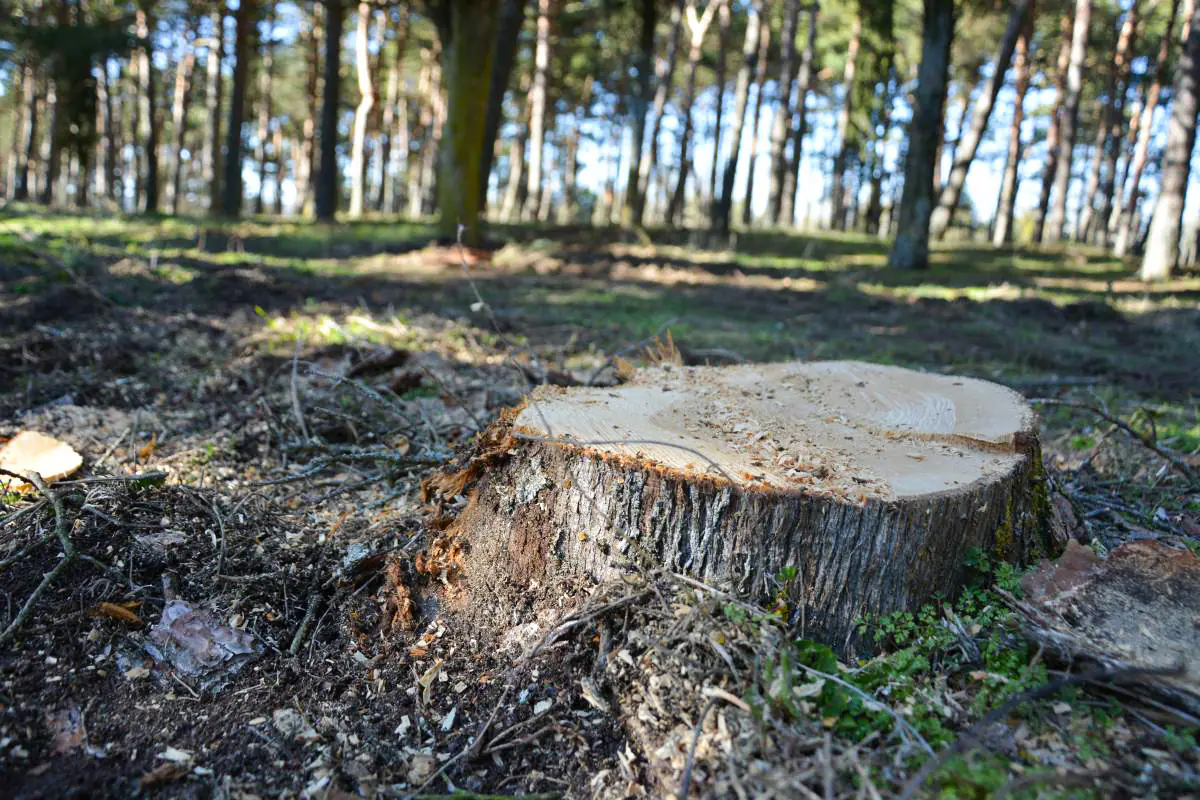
x,y
697,27
1002,230
328,177
428,96
516,186
512,17
264,111
149,121
305,174
1162,240
1127,208
911,248
210,153
837,202
27,147
968,144
391,134
760,81
664,77
723,207
468,30
1057,219
179,109
638,105
280,160
1097,227
231,203
783,111
105,145
362,113
1054,133
868,482
791,185
723,24
537,113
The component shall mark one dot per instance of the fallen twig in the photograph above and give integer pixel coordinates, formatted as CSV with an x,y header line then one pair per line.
x,y
1148,442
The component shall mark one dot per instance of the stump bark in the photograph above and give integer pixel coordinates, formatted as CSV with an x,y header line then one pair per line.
x,y
868,485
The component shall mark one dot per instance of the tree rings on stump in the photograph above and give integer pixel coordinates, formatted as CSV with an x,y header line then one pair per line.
x,y
856,489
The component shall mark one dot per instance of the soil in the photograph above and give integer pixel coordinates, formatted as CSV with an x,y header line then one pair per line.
x,y
291,511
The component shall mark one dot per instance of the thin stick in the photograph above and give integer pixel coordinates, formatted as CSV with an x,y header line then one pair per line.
x,y
296,408
60,530
901,723
686,785
313,599
1175,461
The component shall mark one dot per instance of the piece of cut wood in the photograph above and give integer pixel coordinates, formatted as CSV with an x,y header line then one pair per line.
x,y
871,483
30,451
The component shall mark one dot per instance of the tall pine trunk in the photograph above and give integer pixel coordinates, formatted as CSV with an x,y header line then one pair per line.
x,y
1097,227
837,202
911,247
1166,225
724,17
27,140
639,103
783,111
265,77
179,109
791,184
760,82
537,113
105,143
508,29
968,144
391,133
362,113
210,152
664,77
697,27
149,121
1126,211
1056,220
468,33
722,207
1002,230
328,177
231,201
1054,133
305,173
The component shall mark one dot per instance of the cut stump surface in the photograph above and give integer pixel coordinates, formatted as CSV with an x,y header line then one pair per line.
x,y
868,484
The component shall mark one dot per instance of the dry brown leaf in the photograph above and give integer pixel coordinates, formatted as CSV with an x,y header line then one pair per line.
x,y
124,612
30,451
163,774
147,450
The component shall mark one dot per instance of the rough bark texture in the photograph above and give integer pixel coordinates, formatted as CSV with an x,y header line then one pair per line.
x,y
911,248
1002,230
549,508
964,152
1162,241
723,207
1125,212
1056,220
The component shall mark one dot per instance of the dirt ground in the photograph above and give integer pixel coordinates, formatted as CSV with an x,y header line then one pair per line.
x,y
289,395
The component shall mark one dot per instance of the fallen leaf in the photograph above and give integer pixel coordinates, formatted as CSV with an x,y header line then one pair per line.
x,y
147,450
137,673
117,612
30,451
68,729
162,774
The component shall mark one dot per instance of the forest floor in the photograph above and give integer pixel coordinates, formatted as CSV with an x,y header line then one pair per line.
x,y
294,384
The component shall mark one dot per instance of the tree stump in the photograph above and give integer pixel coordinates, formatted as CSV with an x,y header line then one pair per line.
x,y
858,489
